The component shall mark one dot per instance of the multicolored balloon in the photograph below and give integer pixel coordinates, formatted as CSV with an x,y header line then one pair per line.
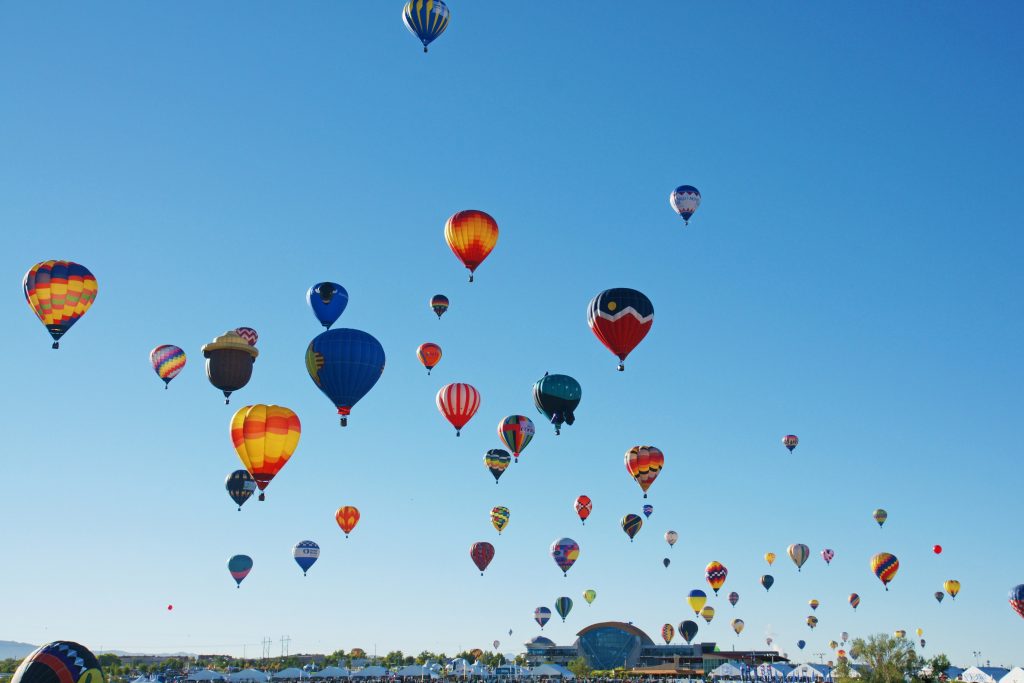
x,y
429,355
499,517
799,553
1017,599
952,586
737,625
62,661
734,597
631,525
708,613
790,441
328,301
471,235
347,517
583,506
589,595
541,615
229,362
715,574
671,537
439,304
426,19
813,603
565,552
854,602
344,364
832,644
668,632
769,558
265,437
880,516
900,634
696,599
239,566
684,200
620,318
828,555
644,463
497,460
767,581
482,553
812,621
167,360
240,486
563,606
885,566
59,293
557,397
687,630
458,403
305,554
648,510
516,432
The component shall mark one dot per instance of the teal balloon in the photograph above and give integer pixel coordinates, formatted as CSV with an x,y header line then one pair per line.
x,y
557,397
563,606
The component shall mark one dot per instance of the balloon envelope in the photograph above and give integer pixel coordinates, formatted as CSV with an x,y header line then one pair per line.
x,y
696,600
347,517
737,625
426,19
885,566
1017,599
305,553
344,364
684,200
557,397
481,553
167,360
734,597
708,613
471,235
952,586
239,566
715,574
769,558
240,486
499,517
429,355
767,581
798,552
644,463
880,516
439,304
59,293
631,525
589,595
516,432
688,629
458,403
328,301
265,437
668,632
497,460
565,552
229,362
563,606
541,615
61,661
854,602
620,318
671,537
790,441
583,506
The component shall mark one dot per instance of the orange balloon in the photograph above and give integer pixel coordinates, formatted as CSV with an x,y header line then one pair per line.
x,y
265,438
347,517
429,354
471,235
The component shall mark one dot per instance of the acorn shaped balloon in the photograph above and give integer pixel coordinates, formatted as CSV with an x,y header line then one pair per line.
x,y
59,293
229,361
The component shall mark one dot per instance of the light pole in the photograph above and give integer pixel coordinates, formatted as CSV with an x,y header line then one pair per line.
x,y
977,655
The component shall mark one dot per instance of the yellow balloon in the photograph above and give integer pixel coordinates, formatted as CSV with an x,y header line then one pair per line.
x,y
769,558
952,587
708,613
696,600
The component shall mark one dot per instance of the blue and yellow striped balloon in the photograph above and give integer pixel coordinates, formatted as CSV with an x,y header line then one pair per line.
x,y
167,360
426,19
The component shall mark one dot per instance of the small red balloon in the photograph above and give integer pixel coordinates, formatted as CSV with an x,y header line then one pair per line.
x,y
937,549
170,607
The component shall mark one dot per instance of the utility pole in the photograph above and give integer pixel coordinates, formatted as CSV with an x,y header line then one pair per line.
x,y
977,655
285,641
821,657
266,647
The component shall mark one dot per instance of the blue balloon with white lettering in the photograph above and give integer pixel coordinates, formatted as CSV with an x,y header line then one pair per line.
x,y
306,553
328,301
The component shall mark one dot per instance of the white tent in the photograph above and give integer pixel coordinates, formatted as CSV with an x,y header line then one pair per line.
x,y
810,672
205,675
292,674
984,674
727,670
552,671
1016,675
371,672
332,672
417,671
248,676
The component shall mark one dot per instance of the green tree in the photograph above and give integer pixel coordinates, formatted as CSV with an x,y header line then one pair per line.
x,y
394,659
937,665
579,667
887,660
108,660
426,656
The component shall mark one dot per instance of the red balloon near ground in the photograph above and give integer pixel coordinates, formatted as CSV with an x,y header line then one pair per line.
x,y
937,549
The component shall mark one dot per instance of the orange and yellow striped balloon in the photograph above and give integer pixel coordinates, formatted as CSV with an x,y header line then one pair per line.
x,y
265,437
471,235
347,517
60,292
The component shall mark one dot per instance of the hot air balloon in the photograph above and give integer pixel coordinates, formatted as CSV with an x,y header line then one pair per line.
x,y
167,360
937,549
767,581
920,632
922,642
800,644
59,292
620,318
496,644
347,517
305,553
589,595
790,441
240,486
885,566
631,525
832,644
813,603
439,304
828,555
737,625
239,566
429,355
426,19
482,553
684,200
939,595
769,558
583,506
476,652
668,633
734,597
900,634
812,621
715,574
666,562
248,334
696,599
61,661
687,630
768,642
496,461
799,553
841,654
952,587
1017,599
328,301
708,613
854,601
229,361
344,364
265,437
671,537
880,516
565,552
648,511
471,235
458,403
541,615
516,432
557,397
644,463
563,606
499,517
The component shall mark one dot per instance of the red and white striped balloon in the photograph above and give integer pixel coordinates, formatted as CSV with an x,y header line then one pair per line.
x,y
458,403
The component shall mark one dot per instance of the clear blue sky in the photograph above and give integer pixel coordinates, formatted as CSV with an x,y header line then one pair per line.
x,y
853,276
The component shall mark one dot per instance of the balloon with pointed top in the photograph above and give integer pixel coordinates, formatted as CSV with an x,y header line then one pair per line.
x,y
458,402
684,200
620,318
59,293
496,460
471,235
671,537
885,566
516,432
239,566
799,553
557,397
344,364
687,630
265,438
305,554
439,304
426,19
167,360
347,517
229,361
715,574
583,506
328,301
429,355
880,516
481,553
631,525
565,552
644,463
790,441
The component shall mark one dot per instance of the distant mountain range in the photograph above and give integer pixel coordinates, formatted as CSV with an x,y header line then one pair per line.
x,y
10,649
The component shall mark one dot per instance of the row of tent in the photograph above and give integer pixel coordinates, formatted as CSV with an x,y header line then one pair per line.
x,y
370,672
822,673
